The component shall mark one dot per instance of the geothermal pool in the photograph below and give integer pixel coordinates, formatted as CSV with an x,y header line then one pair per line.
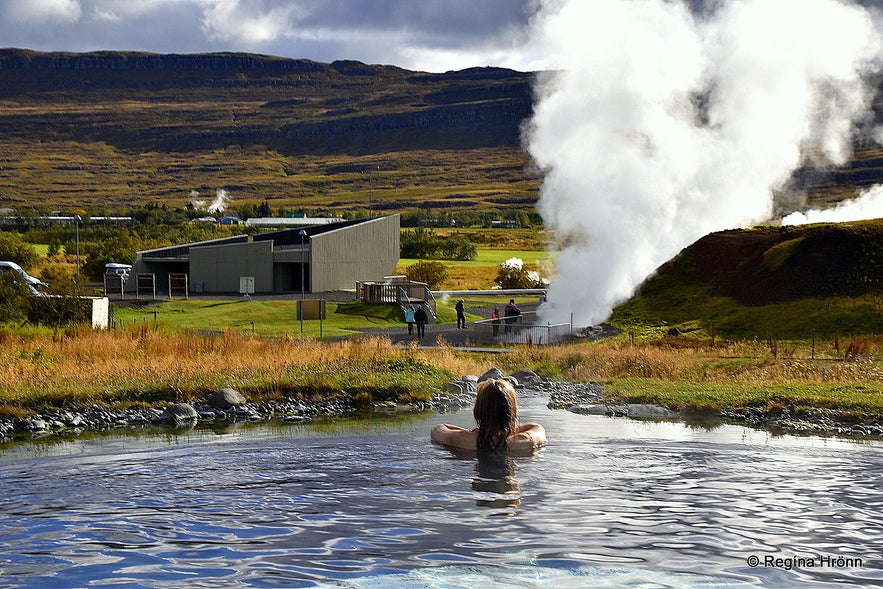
x,y
372,503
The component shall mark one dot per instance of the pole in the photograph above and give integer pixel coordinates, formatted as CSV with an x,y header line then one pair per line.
x,y
303,263
77,220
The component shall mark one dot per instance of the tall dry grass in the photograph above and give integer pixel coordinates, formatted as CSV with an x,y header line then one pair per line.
x,y
145,365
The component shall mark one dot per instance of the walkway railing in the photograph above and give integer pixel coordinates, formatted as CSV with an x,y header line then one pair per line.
x,y
521,329
397,292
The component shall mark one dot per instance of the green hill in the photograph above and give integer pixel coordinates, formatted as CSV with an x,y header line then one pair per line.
x,y
113,129
108,130
784,282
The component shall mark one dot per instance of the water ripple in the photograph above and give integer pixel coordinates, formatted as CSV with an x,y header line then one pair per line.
x,y
640,506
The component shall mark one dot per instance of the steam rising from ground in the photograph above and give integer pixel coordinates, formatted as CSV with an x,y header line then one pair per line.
x,y
661,125
869,205
222,198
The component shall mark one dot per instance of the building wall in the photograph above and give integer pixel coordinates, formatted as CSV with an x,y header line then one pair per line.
x,y
219,267
366,251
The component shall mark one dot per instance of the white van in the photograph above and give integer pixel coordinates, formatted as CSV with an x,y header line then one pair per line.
x,y
114,269
35,285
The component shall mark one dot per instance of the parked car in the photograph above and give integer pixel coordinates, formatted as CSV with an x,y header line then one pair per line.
x,y
115,269
35,285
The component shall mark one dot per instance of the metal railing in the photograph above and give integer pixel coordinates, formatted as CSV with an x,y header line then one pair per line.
x,y
398,292
521,329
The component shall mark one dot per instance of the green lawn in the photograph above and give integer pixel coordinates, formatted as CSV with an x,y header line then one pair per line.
x,y
263,318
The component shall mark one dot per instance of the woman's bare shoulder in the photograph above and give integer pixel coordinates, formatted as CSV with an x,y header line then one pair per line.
x,y
527,436
452,435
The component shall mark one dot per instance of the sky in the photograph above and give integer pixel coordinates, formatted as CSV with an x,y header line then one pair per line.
x,y
423,35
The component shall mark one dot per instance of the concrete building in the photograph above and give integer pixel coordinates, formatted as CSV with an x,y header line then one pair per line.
x,y
332,256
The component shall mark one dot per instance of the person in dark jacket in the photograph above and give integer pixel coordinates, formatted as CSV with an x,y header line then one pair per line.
x,y
420,318
461,315
512,312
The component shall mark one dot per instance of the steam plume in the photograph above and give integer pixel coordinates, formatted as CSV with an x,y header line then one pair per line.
x,y
661,124
222,197
868,205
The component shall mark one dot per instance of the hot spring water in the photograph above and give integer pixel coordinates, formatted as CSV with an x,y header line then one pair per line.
x,y
372,503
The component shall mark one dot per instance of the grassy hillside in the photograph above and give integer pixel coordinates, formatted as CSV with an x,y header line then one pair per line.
x,y
107,130
769,282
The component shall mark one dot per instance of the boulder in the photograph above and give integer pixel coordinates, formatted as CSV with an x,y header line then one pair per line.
x,y
454,387
227,398
180,413
527,377
493,373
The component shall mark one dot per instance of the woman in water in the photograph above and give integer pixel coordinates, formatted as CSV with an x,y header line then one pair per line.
x,y
496,413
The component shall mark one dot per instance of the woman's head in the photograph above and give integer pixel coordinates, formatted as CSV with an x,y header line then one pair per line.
x,y
496,413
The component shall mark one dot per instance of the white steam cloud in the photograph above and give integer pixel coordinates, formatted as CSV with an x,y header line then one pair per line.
x,y
660,126
869,205
222,198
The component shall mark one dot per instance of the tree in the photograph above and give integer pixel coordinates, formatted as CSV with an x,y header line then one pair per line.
x,y
13,249
432,273
14,298
512,274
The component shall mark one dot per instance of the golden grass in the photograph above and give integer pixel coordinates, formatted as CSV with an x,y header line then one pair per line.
x,y
82,366
143,365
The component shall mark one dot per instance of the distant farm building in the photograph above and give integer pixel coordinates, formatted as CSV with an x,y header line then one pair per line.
x,y
332,256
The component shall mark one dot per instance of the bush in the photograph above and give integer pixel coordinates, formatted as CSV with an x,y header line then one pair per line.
x,y
18,305
513,275
424,243
13,249
14,299
59,311
432,273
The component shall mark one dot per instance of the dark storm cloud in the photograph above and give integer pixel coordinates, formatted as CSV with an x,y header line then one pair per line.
x,y
425,34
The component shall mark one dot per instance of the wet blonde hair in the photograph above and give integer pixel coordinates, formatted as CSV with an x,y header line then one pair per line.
x,y
496,413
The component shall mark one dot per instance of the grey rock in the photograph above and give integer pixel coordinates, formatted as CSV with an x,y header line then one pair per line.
x,y
648,411
590,409
493,373
180,413
470,383
31,424
527,378
454,387
226,398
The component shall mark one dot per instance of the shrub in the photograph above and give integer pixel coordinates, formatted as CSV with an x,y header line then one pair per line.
x,y
432,273
512,274
424,243
14,299
13,249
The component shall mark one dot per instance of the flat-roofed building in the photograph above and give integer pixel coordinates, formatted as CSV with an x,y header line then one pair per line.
x,y
315,258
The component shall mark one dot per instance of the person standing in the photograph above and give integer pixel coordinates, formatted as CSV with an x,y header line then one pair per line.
x,y
461,315
420,318
409,318
495,321
512,312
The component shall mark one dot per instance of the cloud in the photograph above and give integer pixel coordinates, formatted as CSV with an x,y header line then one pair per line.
x,y
434,35
35,12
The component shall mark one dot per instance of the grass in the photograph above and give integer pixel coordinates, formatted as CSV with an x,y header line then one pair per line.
x,y
481,272
276,319
146,365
